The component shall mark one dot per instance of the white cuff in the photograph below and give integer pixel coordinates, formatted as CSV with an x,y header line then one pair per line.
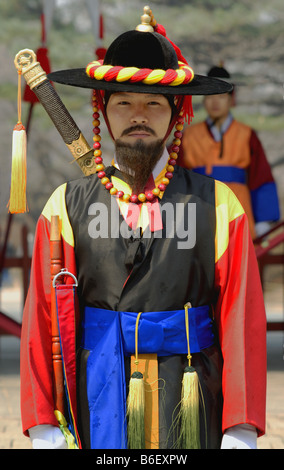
x,y
46,436
242,436
261,228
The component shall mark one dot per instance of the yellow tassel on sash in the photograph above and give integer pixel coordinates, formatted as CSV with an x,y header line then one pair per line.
x,y
17,202
148,366
189,408
136,403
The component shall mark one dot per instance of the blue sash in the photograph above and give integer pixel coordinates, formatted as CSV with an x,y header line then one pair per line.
x,y
227,174
109,336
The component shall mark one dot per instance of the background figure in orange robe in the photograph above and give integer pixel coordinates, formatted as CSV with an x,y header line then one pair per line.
x,y
230,151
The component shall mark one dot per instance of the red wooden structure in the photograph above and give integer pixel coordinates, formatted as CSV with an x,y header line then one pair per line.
x,y
264,248
9,326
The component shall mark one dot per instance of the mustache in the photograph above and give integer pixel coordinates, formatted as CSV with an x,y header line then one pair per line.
x,y
139,127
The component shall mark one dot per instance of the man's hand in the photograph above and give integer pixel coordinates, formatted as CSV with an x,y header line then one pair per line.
x,y
242,436
46,436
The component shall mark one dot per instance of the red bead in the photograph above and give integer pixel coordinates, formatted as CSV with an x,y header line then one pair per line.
x,y
169,175
101,174
96,130
175,148
96,145
178,134
120,194
98,160
96,115
162,187
109,186
134,198
150,196
180,119
172,162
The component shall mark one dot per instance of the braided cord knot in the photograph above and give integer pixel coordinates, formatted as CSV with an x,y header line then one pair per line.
x,y
181,76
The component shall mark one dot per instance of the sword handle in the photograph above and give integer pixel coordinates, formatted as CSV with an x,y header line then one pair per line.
x,y
36,78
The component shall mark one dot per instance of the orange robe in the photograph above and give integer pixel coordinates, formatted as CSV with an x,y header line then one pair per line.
x,y
236,161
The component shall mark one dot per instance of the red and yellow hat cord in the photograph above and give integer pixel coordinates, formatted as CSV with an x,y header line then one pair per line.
x,y
181,76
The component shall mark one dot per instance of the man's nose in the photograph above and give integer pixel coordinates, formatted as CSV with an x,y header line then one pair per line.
x,y
139,115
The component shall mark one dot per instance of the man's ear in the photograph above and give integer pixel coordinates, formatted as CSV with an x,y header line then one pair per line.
x,y
233,98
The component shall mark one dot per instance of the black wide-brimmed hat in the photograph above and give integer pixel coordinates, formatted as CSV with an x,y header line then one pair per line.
x,y
153,55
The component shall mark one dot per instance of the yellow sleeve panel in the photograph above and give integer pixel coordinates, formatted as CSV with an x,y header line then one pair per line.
x,y
56,206
228,208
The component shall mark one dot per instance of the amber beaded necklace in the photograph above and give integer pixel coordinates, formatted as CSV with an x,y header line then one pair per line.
x,y
100,168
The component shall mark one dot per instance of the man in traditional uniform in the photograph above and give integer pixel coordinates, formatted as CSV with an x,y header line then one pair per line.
x,y
168,281
230,151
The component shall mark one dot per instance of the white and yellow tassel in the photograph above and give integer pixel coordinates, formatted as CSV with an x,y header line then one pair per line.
x,y
18,201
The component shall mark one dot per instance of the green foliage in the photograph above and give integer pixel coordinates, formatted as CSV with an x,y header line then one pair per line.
x,y
28,9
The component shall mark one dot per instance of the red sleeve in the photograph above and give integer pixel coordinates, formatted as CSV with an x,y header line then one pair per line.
x,y
259,171
37,405
240,316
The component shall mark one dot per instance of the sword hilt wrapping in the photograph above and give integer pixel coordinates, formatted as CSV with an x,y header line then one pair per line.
x,y
56,110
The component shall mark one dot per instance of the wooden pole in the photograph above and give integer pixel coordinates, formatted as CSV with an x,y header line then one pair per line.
x,y
56,266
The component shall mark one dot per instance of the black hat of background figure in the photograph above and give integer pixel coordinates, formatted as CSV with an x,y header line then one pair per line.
x,y
221,73
218,72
